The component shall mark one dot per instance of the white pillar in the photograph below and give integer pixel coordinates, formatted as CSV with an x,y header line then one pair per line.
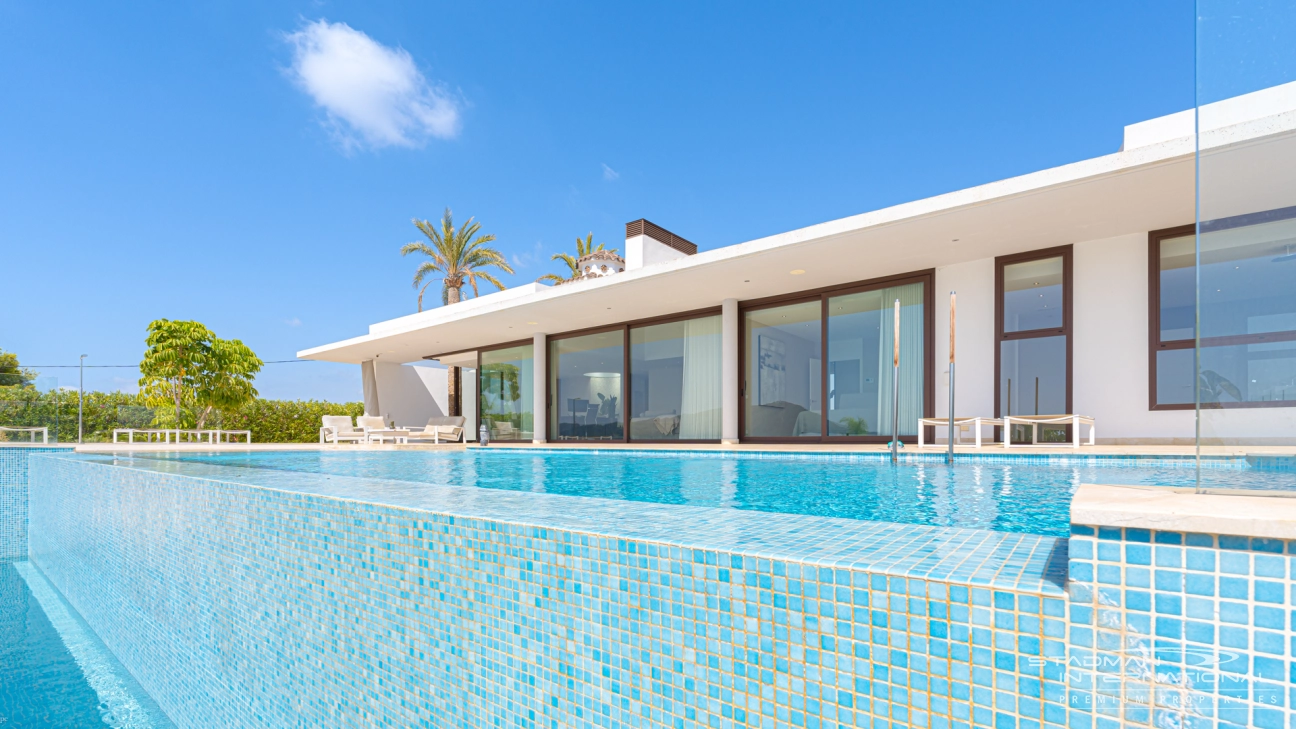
x,y
539,387
729,363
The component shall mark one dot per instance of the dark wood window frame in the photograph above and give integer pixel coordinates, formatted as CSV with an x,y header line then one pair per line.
x,y
481,391
626,374
926,277
1068,319
1156,344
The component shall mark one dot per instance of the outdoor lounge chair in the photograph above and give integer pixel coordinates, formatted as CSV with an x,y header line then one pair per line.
x,y
339,428
441,428
1035,421
960,425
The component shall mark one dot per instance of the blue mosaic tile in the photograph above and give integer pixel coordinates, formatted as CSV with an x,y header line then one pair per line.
x,y
13,497
245,597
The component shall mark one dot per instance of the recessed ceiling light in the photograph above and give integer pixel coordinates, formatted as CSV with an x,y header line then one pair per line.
x,y
533,322
797,271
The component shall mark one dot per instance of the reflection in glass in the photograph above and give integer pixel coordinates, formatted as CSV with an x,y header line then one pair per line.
x,y
675,375
1174,381
860,349
1253,373
1032,295
506,392
782,388
1248,279
585,382
1032,380
1247,295
1177,284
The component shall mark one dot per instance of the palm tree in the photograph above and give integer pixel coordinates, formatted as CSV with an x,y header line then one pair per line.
x,y
583,248
458,255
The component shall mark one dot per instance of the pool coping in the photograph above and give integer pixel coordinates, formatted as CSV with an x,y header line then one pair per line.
x,y
974,557
1164,508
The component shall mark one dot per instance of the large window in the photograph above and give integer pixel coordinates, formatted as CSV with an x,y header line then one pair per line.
x,y
1033,336
675,375
586,394
506,385
784,350
1247,310
861,351
822,368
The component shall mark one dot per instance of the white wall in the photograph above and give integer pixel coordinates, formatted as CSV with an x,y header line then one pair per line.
x,y
642,250
974,345
1110,355
409,395
1110,350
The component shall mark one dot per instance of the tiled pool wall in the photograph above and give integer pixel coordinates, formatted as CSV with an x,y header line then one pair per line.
x,y
13,498
1186,630
241,606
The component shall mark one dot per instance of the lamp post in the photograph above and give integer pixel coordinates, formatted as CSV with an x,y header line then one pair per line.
x,y
80,398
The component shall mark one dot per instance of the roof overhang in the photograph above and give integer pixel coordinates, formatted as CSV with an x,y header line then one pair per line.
x,y
1138,189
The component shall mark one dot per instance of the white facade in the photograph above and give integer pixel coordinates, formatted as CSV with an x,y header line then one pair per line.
x,y
409,395
1103,209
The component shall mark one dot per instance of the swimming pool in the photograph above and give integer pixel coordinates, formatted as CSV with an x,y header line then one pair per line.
x,y
270,589
53,671
1024,494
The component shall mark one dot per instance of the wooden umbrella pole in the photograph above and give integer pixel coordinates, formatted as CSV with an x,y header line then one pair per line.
x,y
949,455
895,387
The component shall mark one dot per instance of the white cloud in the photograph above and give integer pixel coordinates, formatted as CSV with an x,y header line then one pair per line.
x,y
531,257
293,322
372,95
609,174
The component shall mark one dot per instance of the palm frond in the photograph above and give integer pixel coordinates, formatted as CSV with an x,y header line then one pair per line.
x,y
488,278
457,254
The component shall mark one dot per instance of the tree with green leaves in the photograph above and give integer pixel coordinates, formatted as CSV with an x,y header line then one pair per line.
x,y
190,369
583,248
12,373
458,255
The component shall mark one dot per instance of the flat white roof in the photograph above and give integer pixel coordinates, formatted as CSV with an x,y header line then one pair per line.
x,y
1147,185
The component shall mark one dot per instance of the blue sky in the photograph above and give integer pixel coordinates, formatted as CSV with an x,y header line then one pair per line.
x,y
255,166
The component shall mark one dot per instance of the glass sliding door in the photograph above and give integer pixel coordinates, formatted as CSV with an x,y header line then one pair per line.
x,y
782,385
585,386
1033,328
675,375
861,337
507,398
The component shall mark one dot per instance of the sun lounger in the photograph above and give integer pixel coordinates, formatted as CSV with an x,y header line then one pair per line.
x,y
339,428
960,425
164,434
1035,421
44,432
438,429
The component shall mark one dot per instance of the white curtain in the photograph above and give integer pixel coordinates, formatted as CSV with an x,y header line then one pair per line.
x,y
369,379
700,392
911,358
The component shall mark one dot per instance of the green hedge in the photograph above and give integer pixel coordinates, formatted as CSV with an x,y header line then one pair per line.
x,y
271,421
285,421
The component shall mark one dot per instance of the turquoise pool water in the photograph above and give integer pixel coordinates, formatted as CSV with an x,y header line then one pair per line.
x,y
1009,494
53,671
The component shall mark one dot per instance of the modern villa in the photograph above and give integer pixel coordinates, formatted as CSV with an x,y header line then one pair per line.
x,y
1149,295
1075,295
